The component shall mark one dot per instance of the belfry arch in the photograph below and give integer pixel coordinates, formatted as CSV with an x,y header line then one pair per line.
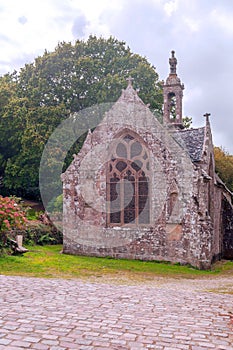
x,y
173,95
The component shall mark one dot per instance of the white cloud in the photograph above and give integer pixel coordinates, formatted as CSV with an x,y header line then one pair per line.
x,y
95,27
39,29
170,7
223,19
29,27
192,24
93,9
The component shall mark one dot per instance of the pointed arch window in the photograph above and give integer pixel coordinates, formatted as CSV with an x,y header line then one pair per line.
x,y
128,183
172,106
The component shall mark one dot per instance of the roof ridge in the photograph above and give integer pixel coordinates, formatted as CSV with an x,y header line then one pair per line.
x,y
191,129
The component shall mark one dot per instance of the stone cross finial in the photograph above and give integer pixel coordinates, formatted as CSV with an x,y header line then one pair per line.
x,y
173,63
206,115
130,80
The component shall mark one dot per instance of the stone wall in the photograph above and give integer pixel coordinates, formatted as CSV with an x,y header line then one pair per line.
x,y
227,227
181,227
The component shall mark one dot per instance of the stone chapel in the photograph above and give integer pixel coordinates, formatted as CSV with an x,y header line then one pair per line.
x,y
139,189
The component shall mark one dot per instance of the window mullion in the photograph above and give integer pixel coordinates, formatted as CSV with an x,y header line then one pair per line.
x,y
136,199
122,196
131,156
108,204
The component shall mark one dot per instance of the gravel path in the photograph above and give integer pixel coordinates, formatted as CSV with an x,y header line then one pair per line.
x,y
76,314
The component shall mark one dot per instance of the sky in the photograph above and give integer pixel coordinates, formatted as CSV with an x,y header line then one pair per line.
x,y
200,32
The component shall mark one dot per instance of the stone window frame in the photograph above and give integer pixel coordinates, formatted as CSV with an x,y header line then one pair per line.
x,y
143,162
172,105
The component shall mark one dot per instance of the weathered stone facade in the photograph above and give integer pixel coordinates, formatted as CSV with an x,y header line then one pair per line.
x,y
142,190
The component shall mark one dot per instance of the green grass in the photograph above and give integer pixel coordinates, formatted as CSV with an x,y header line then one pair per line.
x,y
47,262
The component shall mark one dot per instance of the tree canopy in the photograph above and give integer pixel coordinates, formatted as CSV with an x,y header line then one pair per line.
x,y
35,100
224,166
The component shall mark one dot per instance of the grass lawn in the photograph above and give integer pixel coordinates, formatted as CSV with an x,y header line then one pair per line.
x,y
46,261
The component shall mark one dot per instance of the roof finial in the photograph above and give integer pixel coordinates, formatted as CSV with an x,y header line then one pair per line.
x,y
206,115
130,80
173,63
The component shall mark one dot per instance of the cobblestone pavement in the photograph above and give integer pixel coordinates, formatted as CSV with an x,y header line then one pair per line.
x,y
73,314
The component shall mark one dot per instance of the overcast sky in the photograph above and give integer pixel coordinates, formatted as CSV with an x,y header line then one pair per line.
x,y
200,31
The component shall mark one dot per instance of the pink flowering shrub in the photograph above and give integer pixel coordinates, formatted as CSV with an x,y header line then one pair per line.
x,y
11,215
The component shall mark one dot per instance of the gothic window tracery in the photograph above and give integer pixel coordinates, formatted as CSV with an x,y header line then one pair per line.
x,y
128,183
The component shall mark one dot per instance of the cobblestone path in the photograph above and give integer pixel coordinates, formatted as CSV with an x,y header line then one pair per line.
x,y
73,314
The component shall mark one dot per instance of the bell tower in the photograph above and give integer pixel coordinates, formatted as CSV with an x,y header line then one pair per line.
x,y
172,96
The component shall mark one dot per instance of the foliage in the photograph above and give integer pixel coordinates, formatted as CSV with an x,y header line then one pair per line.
x,y
55,205
32,214
8,131
34,101
11,215
12,218
41,234
224,166
187,122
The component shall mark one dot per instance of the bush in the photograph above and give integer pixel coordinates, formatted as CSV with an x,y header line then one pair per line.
x,y
16,220
41,234
55,205
11,214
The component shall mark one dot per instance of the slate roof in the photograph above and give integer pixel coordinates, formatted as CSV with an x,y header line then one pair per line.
x,y
192,140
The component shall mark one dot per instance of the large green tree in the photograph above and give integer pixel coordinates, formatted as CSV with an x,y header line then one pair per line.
x,y
44,93
88,73
8,132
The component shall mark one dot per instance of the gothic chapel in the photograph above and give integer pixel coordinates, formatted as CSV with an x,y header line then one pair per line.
x,y
139,189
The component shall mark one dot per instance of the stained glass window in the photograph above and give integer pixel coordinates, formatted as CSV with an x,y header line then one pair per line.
x,y
128,183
